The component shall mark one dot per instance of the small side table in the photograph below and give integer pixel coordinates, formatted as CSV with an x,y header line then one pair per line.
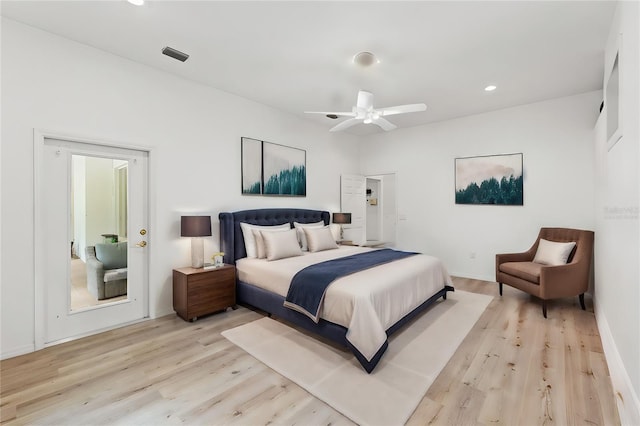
x,y
197,292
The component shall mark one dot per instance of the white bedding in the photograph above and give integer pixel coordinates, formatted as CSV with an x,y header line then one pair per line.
x,y
368,302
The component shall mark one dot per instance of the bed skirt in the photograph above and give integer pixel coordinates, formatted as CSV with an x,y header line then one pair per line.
x,y
272,303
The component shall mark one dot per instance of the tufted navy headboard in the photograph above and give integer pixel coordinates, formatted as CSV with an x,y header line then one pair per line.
x,y
231,240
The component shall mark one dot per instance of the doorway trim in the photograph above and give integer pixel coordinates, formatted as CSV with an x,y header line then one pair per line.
x,y
39,136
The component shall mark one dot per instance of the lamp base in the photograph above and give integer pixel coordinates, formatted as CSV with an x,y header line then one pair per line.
x,y
197,252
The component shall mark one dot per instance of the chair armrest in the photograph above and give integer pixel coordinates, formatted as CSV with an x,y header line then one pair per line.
x,y
94,263
564,280
95,271
513,257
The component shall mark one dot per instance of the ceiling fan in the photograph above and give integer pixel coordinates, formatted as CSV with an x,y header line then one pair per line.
x,y
364,112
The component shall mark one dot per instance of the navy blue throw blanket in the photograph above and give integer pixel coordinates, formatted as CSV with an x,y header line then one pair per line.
x,y
308,286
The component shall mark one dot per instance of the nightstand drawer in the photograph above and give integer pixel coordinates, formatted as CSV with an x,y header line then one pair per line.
x,y
211,304
213,276
203,291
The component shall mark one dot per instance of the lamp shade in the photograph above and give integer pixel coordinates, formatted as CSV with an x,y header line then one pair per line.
x,y
342,218
195,226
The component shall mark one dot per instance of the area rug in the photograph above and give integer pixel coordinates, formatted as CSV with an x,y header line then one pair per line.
x,y
389,395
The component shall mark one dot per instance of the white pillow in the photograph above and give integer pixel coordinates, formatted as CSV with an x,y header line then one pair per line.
x,y
279,245
257,235
552,253
301,236
249,239
320,239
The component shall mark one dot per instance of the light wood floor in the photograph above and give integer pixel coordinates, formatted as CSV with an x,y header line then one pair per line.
x,y
514,368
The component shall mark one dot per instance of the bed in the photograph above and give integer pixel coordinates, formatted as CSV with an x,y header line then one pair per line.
x,y
259,284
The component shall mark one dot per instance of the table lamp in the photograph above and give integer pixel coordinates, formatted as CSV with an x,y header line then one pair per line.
x,y
342,219
196,227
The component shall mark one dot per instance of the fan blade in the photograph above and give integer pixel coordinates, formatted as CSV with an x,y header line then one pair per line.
x,y
401,109
365,100
345,124
345,114
385,125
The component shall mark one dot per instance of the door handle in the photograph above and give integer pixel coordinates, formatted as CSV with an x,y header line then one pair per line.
x,y
141,244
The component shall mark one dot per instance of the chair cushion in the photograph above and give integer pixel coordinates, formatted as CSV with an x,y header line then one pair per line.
x,y
526,270
115,275
112,256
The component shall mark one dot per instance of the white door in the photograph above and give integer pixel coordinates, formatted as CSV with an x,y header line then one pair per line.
x,y
89,196
353,200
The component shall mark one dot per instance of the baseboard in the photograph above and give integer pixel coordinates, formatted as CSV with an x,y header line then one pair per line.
x,y
491,279
162,313
94,332
32,348
626,398
21,350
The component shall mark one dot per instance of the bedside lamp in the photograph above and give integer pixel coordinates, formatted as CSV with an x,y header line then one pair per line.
x,y
196,227
342,219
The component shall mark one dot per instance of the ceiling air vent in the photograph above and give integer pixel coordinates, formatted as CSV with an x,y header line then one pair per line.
x,y
175,54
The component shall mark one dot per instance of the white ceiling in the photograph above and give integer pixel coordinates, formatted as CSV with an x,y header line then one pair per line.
x,y
296,55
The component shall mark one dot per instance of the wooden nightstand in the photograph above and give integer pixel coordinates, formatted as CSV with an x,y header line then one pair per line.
x,y
197,292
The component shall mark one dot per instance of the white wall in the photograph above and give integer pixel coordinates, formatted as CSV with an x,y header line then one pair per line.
x,y
93,201
557,142
617,254
79,202
99,199
194,131
389,209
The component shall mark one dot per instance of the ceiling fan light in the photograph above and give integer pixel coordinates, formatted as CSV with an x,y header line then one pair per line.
x,y
368,120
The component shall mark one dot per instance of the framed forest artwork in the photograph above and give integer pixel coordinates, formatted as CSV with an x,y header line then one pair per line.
x,y
490,179
251,166
272,169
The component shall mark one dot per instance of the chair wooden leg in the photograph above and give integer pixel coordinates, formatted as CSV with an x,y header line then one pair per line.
x,y
544,308
581,297
500,288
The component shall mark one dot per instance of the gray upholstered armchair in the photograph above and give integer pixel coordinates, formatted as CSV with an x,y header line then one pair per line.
x,y
107,270
549,282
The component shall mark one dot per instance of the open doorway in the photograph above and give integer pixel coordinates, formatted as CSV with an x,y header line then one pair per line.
x,y
381,209
371,200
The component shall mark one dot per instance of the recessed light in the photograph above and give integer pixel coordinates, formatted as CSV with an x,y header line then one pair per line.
x,y
365,59
136,2
490,88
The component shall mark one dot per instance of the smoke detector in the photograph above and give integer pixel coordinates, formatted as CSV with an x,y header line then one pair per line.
x,y
365,59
